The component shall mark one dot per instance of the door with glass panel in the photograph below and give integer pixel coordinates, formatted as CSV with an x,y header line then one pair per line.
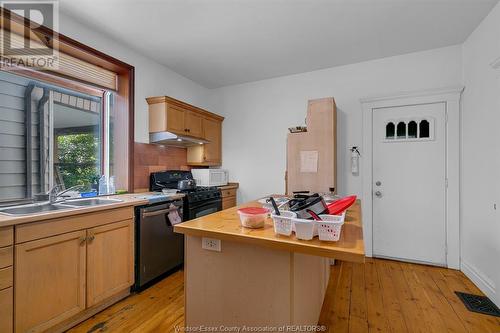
x,y
409,183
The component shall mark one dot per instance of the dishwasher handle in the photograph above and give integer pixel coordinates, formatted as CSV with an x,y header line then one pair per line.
x,y
159,212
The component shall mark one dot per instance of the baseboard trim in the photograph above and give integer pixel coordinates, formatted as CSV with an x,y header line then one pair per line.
x,y
479,279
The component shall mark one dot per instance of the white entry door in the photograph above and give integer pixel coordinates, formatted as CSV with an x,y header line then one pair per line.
x,y
409,183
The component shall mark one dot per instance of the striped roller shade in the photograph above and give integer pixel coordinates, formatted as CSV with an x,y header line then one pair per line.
x,y
68,65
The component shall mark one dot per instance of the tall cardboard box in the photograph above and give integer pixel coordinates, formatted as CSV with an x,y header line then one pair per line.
x,y
312,155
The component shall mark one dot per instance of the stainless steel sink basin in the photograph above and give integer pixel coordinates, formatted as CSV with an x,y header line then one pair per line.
x,y
89,202
32,209
47,207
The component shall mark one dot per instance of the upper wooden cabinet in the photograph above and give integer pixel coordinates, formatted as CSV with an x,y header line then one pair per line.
x,y
172,122
208,154
168,114
194,124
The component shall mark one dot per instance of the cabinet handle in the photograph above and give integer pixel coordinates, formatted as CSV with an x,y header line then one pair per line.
x,y
91,238
82,240
189,130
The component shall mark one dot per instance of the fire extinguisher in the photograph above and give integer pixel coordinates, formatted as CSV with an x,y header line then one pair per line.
x,y
355,154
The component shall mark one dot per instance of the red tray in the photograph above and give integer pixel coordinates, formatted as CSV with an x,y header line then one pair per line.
x,y
339,206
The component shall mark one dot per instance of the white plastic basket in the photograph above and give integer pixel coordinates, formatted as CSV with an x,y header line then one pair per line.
x,y
330,228
283,223
305,229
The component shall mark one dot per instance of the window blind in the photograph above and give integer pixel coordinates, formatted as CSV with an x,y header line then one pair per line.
x,y
67,66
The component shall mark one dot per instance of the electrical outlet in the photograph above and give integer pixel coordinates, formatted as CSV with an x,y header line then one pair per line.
x,y
210,244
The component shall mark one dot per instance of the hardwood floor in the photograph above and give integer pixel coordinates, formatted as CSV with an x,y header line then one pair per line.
x,y
378,296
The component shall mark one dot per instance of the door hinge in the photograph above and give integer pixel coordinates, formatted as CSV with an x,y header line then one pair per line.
x,y
446,182
446,117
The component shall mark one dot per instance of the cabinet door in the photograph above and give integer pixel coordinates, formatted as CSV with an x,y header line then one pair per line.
x,y
49,281
194,124
6,311
110,260
213,133
175,120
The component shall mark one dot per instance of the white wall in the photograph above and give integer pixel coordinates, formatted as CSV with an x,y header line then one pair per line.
x,y
259,113
151,78
480,156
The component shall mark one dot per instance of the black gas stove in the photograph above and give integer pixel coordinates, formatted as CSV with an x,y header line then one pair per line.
x,y
202,193
199,201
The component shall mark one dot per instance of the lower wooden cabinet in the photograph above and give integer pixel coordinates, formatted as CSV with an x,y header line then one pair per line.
x,y
6,310
49,281
110,258
228,202
60,278
228,193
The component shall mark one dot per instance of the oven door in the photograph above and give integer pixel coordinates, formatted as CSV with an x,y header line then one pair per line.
x,y
204,208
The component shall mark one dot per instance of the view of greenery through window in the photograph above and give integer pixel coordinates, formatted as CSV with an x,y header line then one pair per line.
x,y
78,155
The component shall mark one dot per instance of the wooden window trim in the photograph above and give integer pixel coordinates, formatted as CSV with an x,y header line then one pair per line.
x,y
126,73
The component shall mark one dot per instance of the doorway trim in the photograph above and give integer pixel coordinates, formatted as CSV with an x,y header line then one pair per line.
x,y
451,97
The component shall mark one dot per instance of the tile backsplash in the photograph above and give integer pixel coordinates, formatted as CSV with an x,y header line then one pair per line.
x,y
151,157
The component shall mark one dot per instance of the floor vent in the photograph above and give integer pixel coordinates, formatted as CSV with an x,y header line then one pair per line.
x,y
480,304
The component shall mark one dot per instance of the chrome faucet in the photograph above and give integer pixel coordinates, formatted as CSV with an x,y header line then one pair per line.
x,y
54,193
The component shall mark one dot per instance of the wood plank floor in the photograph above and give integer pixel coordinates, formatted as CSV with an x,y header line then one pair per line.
x,y
378,296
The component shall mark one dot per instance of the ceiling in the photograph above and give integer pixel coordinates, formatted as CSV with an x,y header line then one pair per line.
x,y
224,42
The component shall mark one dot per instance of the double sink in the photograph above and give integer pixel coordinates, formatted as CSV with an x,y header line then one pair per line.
x,y
62,205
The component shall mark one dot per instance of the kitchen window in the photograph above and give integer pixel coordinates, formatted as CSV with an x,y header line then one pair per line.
x,y
71,137
65,126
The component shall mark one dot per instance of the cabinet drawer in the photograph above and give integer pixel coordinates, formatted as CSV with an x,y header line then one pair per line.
x,y
6,277
6,310
228,202
37,230
6,256
229,193
6,236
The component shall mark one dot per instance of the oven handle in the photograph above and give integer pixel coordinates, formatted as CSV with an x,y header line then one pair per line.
x,y
159,212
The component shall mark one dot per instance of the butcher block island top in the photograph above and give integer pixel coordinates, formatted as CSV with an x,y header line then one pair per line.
x,y
225,225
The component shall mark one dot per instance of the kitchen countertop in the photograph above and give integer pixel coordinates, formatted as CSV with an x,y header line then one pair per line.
x,y
229,186
225,225
129,199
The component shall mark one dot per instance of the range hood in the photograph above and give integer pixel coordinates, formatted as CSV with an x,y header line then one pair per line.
x,y
171,139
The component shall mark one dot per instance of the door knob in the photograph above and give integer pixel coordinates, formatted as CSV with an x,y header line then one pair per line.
x,y
378,183
378,194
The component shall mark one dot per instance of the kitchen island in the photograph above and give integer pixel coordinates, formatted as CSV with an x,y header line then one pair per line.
x,y
255,278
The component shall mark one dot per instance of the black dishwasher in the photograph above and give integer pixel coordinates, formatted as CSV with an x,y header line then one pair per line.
x,y
158,249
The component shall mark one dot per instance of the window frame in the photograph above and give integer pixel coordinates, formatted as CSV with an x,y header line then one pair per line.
x,y
124,94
